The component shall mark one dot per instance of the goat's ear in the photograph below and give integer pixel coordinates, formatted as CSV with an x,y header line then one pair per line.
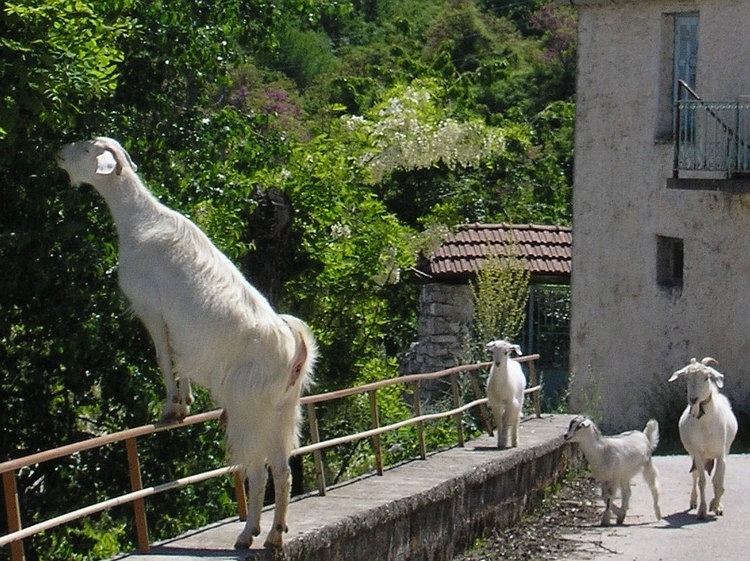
x,y
518,350
717,377
106,163
490,346
677,374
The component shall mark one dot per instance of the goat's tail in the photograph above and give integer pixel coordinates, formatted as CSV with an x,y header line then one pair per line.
x,y
306,354
652,433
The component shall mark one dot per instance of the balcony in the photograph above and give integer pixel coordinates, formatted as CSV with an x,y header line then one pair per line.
x,y
712,137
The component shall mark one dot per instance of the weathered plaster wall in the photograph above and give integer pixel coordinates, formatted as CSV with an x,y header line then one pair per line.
x,y
627,332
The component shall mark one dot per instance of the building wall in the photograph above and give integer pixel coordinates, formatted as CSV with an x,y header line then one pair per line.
x,y
628,333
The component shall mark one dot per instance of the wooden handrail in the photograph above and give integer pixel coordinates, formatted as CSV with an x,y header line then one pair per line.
x,y
99,441
16,533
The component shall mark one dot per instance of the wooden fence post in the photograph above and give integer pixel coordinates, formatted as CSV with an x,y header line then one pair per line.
x,y
483,409
537,394
420,424
320,475
13,512
458,417
240,494
375,421
139,505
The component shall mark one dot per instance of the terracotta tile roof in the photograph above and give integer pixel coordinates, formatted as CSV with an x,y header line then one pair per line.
x,y
546,249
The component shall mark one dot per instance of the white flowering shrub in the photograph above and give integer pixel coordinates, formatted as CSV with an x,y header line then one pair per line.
x,y
411,130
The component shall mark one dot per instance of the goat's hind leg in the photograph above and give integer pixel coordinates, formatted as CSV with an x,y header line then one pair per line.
x,y
257,476
651,475
607,495
282,481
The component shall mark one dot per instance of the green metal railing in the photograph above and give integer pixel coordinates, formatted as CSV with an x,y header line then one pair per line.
x,y
711,136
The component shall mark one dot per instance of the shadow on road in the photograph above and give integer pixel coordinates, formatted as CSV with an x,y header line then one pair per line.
x,y
682,519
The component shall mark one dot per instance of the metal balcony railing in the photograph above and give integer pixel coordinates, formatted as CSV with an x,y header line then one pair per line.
x,y
711,136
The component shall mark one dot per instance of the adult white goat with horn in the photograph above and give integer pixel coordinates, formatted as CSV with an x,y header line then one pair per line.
x,y
707,429
208,324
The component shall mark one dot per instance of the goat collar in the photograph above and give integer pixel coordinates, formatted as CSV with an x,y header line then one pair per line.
x,y
702,405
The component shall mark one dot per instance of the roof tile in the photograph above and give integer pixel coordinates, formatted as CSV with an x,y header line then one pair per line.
x,y
546,249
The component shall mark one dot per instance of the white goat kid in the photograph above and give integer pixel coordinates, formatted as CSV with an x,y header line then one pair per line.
x,y
208,324
707,429
614,461
505,386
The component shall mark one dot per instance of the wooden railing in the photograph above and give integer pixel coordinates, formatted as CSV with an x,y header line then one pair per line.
x,y
17,533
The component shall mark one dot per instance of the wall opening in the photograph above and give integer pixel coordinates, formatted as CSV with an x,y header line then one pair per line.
x,y
670,261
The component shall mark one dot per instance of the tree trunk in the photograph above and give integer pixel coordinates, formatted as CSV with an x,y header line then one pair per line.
x,y
266,267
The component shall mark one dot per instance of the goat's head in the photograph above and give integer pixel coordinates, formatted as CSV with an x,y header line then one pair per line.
x,y
701,378
89,160
579,429
501,349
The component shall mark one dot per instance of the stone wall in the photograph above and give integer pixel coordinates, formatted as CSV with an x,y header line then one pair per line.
x,y
445,317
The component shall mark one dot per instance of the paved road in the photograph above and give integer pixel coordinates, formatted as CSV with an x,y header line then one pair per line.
x,y
679,535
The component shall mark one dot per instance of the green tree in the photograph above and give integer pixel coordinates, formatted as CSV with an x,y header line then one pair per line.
x,y
219,99
57,57
501,293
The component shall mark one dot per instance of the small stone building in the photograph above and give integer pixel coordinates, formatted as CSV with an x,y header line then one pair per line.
x,y
446,304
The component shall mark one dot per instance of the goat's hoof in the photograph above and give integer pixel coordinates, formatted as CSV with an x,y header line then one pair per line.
x,y
243,544
274,540
169,417
716,508
174,412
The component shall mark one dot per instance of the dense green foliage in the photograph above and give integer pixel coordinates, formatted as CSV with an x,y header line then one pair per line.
x,y
381,120
501,293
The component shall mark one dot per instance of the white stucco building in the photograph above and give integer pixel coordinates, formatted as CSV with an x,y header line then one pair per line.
x,y
661,251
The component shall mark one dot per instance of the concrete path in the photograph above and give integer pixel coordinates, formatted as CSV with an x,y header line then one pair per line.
x,y
416,505
679,535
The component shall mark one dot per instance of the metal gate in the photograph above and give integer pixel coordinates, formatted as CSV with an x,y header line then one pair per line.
x,y
547,332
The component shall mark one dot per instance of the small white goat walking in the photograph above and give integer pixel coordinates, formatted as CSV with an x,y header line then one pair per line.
x,y
707,429
614,461
208,324
505,386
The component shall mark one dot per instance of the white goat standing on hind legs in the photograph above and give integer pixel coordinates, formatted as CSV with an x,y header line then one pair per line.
x,y
707,429
614,460
505,386
208,324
